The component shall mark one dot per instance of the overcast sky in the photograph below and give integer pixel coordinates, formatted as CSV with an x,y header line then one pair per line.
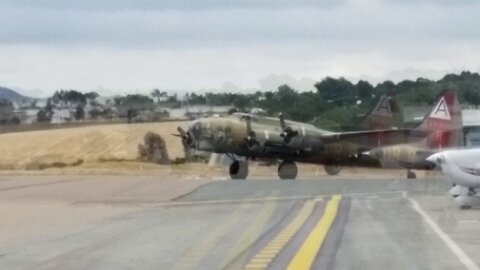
x,y
115,46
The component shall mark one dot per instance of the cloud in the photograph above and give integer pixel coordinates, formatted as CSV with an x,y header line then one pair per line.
x,y
272,81
149,5
119,70
248,24
433,2
229,86
130,44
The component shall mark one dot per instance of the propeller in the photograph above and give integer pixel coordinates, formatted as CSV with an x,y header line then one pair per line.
x,y
186,137
287,132
251,137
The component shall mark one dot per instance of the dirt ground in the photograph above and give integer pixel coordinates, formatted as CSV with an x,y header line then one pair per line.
x,y
85,146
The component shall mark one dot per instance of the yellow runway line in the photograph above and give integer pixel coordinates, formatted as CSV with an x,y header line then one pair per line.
x,y
192,258
273,247
254,230
305,256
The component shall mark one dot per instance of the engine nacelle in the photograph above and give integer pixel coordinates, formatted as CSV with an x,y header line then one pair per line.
x,y
459,190
296,142
259,142
298,139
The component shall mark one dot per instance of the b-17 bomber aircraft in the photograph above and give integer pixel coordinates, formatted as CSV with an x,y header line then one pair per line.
x,y
257,137
441,128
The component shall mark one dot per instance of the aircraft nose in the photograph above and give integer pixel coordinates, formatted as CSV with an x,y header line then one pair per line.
x,y
436,159
201,129
432,158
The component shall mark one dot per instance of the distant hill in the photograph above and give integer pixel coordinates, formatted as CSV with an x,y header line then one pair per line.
x,y
12,95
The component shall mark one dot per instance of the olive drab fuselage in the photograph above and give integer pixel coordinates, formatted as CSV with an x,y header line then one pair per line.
x,y
261,137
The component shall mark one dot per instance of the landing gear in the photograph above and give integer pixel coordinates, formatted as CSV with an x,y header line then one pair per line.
x,y
411,175
467,201
332,169
238,170
287,170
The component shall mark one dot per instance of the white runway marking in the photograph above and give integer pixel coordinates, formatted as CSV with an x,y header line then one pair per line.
x,y
461,255
233,201
468,221
263,199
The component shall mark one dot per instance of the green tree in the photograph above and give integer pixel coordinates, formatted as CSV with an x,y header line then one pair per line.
x,y
472,96
385,88
91,95
241,102
365,90
71,98
286,96
156,94
45,114
340,91
79,112
94,113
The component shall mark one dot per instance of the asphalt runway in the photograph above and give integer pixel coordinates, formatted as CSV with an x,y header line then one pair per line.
x,y
346,222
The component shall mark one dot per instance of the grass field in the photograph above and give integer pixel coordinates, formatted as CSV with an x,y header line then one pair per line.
x,y
82,145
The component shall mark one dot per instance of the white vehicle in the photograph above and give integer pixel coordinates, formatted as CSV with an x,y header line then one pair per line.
x,y
462,168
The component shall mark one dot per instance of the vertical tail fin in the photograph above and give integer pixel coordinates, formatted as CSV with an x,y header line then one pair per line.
x,y
443,123
385,115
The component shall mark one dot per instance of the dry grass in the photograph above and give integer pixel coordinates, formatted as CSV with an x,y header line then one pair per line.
x,y
82,146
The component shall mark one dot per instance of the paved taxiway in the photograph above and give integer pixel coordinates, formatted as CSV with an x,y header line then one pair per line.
x,y
347,222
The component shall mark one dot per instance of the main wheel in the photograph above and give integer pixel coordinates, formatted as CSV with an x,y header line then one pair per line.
x,y
332,169
287,170
238,170
411,175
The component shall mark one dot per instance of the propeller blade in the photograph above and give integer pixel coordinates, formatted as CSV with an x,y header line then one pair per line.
x,y
249,124
186,137
288,133
181,131
282,121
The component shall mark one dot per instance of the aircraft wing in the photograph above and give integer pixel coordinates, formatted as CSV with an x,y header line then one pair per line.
x,y
375,137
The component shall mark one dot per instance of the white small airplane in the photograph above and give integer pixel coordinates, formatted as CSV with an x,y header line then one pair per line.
x,y
462,168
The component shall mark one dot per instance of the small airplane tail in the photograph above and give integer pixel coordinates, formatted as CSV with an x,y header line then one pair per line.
x,y
385,115
443,123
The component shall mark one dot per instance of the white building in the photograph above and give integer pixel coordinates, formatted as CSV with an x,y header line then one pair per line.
x,y
197,111
471,126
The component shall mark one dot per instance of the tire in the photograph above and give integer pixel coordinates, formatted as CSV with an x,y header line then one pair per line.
x,y
332,169
287,170
238,170
411,175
